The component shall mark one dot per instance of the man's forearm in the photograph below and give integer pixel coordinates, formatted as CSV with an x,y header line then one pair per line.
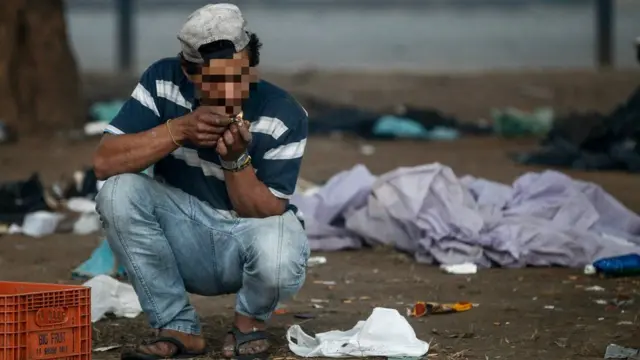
x,y
250,197
132,153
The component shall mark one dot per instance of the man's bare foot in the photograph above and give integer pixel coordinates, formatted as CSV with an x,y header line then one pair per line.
x,y
245,325
193,344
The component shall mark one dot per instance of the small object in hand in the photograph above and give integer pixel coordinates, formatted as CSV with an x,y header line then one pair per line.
x,y
237,118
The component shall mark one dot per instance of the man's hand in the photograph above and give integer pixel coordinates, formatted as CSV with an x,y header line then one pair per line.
x,y
201,127
234,141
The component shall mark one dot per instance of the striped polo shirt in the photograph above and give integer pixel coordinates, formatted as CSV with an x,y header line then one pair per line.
x,y
278,125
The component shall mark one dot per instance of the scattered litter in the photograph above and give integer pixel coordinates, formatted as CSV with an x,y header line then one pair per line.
x,y
618,352
625,323
600,318
319,301
625,265
390,126
511,122
594,288
549,307
40,223
95,128
317,306
87,224
622,300
101,262
81,205
431,308
570,144
305,316
107,348
367,150
590,270
281,309
316,260
460,269
14,229
328,283
384,333
601,302
108,295
561,342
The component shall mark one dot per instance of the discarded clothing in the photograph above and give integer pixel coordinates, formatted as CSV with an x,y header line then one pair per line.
x,y
85,185
543,219
593,141
325,211
431,119
512,122
343,119
406,122
390,126
19,198
384,333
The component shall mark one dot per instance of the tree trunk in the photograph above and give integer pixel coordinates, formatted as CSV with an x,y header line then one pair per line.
x,y
39,80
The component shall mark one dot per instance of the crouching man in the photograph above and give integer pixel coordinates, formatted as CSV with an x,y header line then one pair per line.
x,y
215,219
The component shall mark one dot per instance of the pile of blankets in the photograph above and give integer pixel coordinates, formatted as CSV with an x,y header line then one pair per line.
x,y
542,219
593,141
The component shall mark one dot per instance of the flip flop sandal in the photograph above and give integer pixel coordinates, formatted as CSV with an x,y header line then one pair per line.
x,y
241,338
180,352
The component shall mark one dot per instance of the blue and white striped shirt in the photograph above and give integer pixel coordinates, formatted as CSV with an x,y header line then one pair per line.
x,y
278,125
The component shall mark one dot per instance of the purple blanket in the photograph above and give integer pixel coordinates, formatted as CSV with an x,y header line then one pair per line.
x,y
542,219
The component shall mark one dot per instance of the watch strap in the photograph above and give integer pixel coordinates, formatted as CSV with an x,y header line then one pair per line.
x,y
243,161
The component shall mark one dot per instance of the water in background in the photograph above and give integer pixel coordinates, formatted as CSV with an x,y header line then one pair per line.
x,y
430,38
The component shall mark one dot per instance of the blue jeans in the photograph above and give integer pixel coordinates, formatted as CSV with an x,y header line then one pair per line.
x,y
172,244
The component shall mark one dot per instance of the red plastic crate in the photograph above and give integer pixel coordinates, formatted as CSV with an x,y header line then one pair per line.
x,y
44,321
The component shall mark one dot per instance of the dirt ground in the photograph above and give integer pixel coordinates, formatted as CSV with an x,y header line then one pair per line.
x,y
522,314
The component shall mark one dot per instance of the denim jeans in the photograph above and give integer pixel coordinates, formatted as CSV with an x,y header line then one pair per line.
x,y
171,244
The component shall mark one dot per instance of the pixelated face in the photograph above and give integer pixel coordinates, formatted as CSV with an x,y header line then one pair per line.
x,y
225,82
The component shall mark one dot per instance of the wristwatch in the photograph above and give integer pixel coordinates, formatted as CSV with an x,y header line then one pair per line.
x,y
240,163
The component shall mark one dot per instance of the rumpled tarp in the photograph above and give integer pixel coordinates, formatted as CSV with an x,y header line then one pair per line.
x,y
543,219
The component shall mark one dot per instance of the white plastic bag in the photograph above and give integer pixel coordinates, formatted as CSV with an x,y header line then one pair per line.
x,y
109,295
384,333
41,223
87,223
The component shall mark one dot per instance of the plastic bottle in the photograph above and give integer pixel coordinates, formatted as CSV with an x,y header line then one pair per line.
x,y
625,265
